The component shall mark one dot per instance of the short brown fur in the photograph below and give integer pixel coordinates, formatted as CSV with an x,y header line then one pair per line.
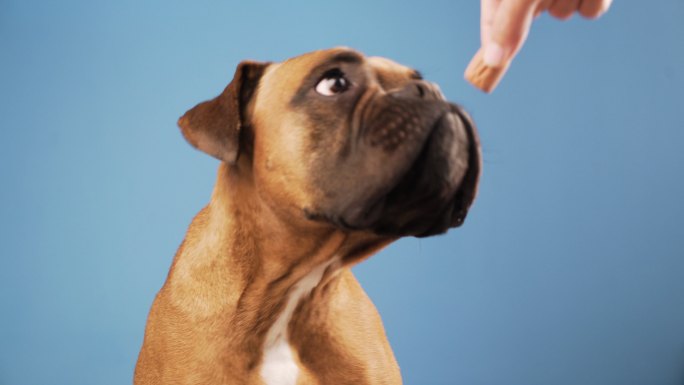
x,y
243,252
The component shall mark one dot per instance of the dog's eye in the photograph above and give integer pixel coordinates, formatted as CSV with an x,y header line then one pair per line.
x,y
332,83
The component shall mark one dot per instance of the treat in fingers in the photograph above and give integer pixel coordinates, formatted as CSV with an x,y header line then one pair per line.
x,y
483,76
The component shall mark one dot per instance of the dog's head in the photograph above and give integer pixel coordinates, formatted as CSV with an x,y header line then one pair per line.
x,y
360,143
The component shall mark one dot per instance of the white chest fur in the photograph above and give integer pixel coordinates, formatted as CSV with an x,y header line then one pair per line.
x,y
278,365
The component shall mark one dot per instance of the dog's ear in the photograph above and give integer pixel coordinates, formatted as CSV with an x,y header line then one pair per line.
x,y
214,126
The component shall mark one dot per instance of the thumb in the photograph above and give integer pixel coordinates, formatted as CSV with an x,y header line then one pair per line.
x,y
509,30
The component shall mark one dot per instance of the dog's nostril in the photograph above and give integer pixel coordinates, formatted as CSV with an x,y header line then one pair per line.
x,y
421,90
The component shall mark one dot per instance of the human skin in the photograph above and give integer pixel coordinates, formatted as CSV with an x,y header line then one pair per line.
x,y
505,24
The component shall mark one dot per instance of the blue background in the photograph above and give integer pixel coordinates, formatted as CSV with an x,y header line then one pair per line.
x,y
569,270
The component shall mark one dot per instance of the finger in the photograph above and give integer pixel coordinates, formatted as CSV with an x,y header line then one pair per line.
x,y
541,7
487,12
591,9
511,26
563,9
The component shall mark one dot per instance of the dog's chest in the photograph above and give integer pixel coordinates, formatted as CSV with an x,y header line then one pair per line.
x,y
279,365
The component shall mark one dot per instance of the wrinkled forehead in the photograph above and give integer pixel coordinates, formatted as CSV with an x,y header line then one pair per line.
x,y
390,73
283,79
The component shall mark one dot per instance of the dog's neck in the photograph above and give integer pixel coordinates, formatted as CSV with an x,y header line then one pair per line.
x,y
239,245
238,212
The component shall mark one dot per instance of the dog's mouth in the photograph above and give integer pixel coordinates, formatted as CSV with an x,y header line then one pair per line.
x,y
435,192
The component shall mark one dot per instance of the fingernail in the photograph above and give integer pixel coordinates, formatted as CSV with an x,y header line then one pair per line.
x,y
493,54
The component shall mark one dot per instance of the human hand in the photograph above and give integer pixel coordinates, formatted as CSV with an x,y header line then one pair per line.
x,y
504,26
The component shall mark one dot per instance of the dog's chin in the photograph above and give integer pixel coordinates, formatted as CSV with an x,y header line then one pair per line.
x,y
411,209
424,218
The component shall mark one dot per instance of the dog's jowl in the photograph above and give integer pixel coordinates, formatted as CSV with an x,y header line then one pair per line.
x,y
325,159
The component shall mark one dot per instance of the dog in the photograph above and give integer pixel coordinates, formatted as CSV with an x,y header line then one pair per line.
x,y
325,159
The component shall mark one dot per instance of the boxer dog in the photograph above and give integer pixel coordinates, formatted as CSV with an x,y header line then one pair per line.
x,y
325,159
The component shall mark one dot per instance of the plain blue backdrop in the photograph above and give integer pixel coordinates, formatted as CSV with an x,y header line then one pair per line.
x,y
569,269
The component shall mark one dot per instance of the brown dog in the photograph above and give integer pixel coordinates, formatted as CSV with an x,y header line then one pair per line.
x,y
326,158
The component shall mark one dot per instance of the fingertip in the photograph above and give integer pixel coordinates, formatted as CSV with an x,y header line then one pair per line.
x,y
593,9
562,15
589,16
605,5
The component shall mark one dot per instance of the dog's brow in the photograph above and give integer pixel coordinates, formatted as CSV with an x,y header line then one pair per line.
x,y
416,75
346,57
342,57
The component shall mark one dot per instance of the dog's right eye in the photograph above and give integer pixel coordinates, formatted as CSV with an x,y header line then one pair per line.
x,y
332,83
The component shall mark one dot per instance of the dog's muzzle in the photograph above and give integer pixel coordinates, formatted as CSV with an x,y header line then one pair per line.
x,y
440,184
418,166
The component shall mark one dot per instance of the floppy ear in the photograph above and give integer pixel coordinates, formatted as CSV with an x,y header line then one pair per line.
x,y
214,126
